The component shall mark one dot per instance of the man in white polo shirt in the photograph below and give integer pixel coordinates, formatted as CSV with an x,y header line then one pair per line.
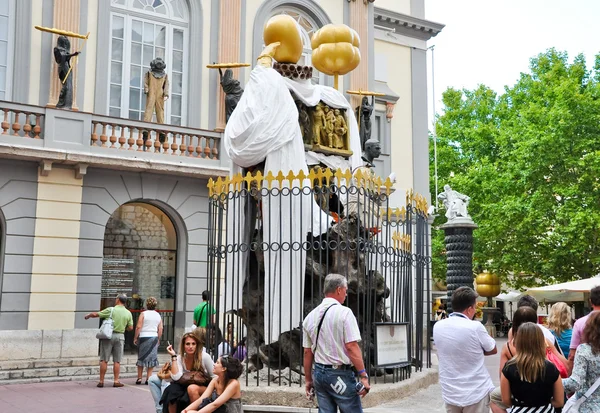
x,y
461,346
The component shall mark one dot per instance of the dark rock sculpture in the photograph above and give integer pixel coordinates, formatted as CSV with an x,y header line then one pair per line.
x,y
363,114
63,55
233,91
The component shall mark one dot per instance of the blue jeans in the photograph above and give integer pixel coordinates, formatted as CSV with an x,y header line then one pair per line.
x,y
336,389
154,384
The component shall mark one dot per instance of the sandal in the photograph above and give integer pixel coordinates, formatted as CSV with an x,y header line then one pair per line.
x,y
118,384
100,384
139,381
146,383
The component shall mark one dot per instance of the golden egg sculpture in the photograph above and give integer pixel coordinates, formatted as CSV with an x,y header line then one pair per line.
x,y
335,49
488,284
284,29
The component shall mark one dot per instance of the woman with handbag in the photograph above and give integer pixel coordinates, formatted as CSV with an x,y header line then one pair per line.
x,y
147,333
586,369
190,374
529,382
223,394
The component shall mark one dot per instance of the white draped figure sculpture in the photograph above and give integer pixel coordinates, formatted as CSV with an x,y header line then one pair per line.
x,y
455,203
264,127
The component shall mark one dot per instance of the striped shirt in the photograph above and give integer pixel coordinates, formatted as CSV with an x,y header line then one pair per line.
x,y
339,327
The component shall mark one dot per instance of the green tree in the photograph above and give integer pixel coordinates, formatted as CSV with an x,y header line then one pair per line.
x,y
530,160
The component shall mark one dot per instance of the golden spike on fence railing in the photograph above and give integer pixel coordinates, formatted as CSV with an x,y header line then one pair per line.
x,y
388,186
280,178
347,175
359,178
211,187
327,174
409,197
339,175
312,175
291,176
378,183
236,182
301,178
225,187
269,178
400,213
320,175
248,179
219,186
258,178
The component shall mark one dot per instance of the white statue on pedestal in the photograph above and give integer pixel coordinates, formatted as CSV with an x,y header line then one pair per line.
x,y
455,203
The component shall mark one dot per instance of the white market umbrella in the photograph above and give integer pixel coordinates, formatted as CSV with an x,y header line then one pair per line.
x,y
509,296
569,291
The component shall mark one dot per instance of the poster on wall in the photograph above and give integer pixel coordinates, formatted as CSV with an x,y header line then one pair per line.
x,y
117,276
391,344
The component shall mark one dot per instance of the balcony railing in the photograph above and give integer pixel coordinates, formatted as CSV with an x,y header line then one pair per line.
x,y
142,136
97,139
22,120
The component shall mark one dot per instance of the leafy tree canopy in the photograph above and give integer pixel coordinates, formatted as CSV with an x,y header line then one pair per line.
x,y
530,160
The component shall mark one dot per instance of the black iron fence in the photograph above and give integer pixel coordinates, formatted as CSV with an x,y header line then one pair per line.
x,y
273,240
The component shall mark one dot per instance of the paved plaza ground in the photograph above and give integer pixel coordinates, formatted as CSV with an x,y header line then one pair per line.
x,y
84,396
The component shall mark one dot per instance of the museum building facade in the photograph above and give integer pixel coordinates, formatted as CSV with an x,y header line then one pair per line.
x,y
95,201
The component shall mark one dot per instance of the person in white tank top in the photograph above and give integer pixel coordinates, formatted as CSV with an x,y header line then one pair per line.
x,y
147,334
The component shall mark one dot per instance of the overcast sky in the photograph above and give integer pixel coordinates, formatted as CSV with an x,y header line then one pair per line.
x,y
491,41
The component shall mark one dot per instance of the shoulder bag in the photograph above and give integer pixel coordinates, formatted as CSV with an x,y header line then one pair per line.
x,y
553,358
106,329
165,372
199,378
319,327
573,404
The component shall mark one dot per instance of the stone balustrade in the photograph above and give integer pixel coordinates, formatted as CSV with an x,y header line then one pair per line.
x,y
138,136
34,133
22,120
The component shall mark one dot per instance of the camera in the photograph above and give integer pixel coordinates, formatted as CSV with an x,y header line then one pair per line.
x,y
359,387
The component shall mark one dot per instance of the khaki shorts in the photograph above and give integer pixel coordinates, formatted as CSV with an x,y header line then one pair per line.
x,y
482,406
113,346
496,398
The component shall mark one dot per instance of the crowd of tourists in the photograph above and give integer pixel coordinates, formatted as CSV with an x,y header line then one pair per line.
x,y
542,369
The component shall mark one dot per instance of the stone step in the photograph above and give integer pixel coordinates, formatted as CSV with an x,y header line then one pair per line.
x,y
67,378
37,371
63,362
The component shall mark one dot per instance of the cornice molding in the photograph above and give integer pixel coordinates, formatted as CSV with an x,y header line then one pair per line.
x,y
406,25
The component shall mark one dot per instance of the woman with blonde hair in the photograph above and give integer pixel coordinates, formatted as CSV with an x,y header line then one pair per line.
x,y
559,323
148,331
529,382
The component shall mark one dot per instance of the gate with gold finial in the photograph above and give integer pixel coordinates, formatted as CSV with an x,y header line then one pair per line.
x,y
382,250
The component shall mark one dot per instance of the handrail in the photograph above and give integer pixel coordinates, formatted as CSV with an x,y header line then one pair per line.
x,y
154,126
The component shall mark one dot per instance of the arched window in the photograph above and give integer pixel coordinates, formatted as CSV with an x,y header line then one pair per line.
x,y
7,29
142,30
307,27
